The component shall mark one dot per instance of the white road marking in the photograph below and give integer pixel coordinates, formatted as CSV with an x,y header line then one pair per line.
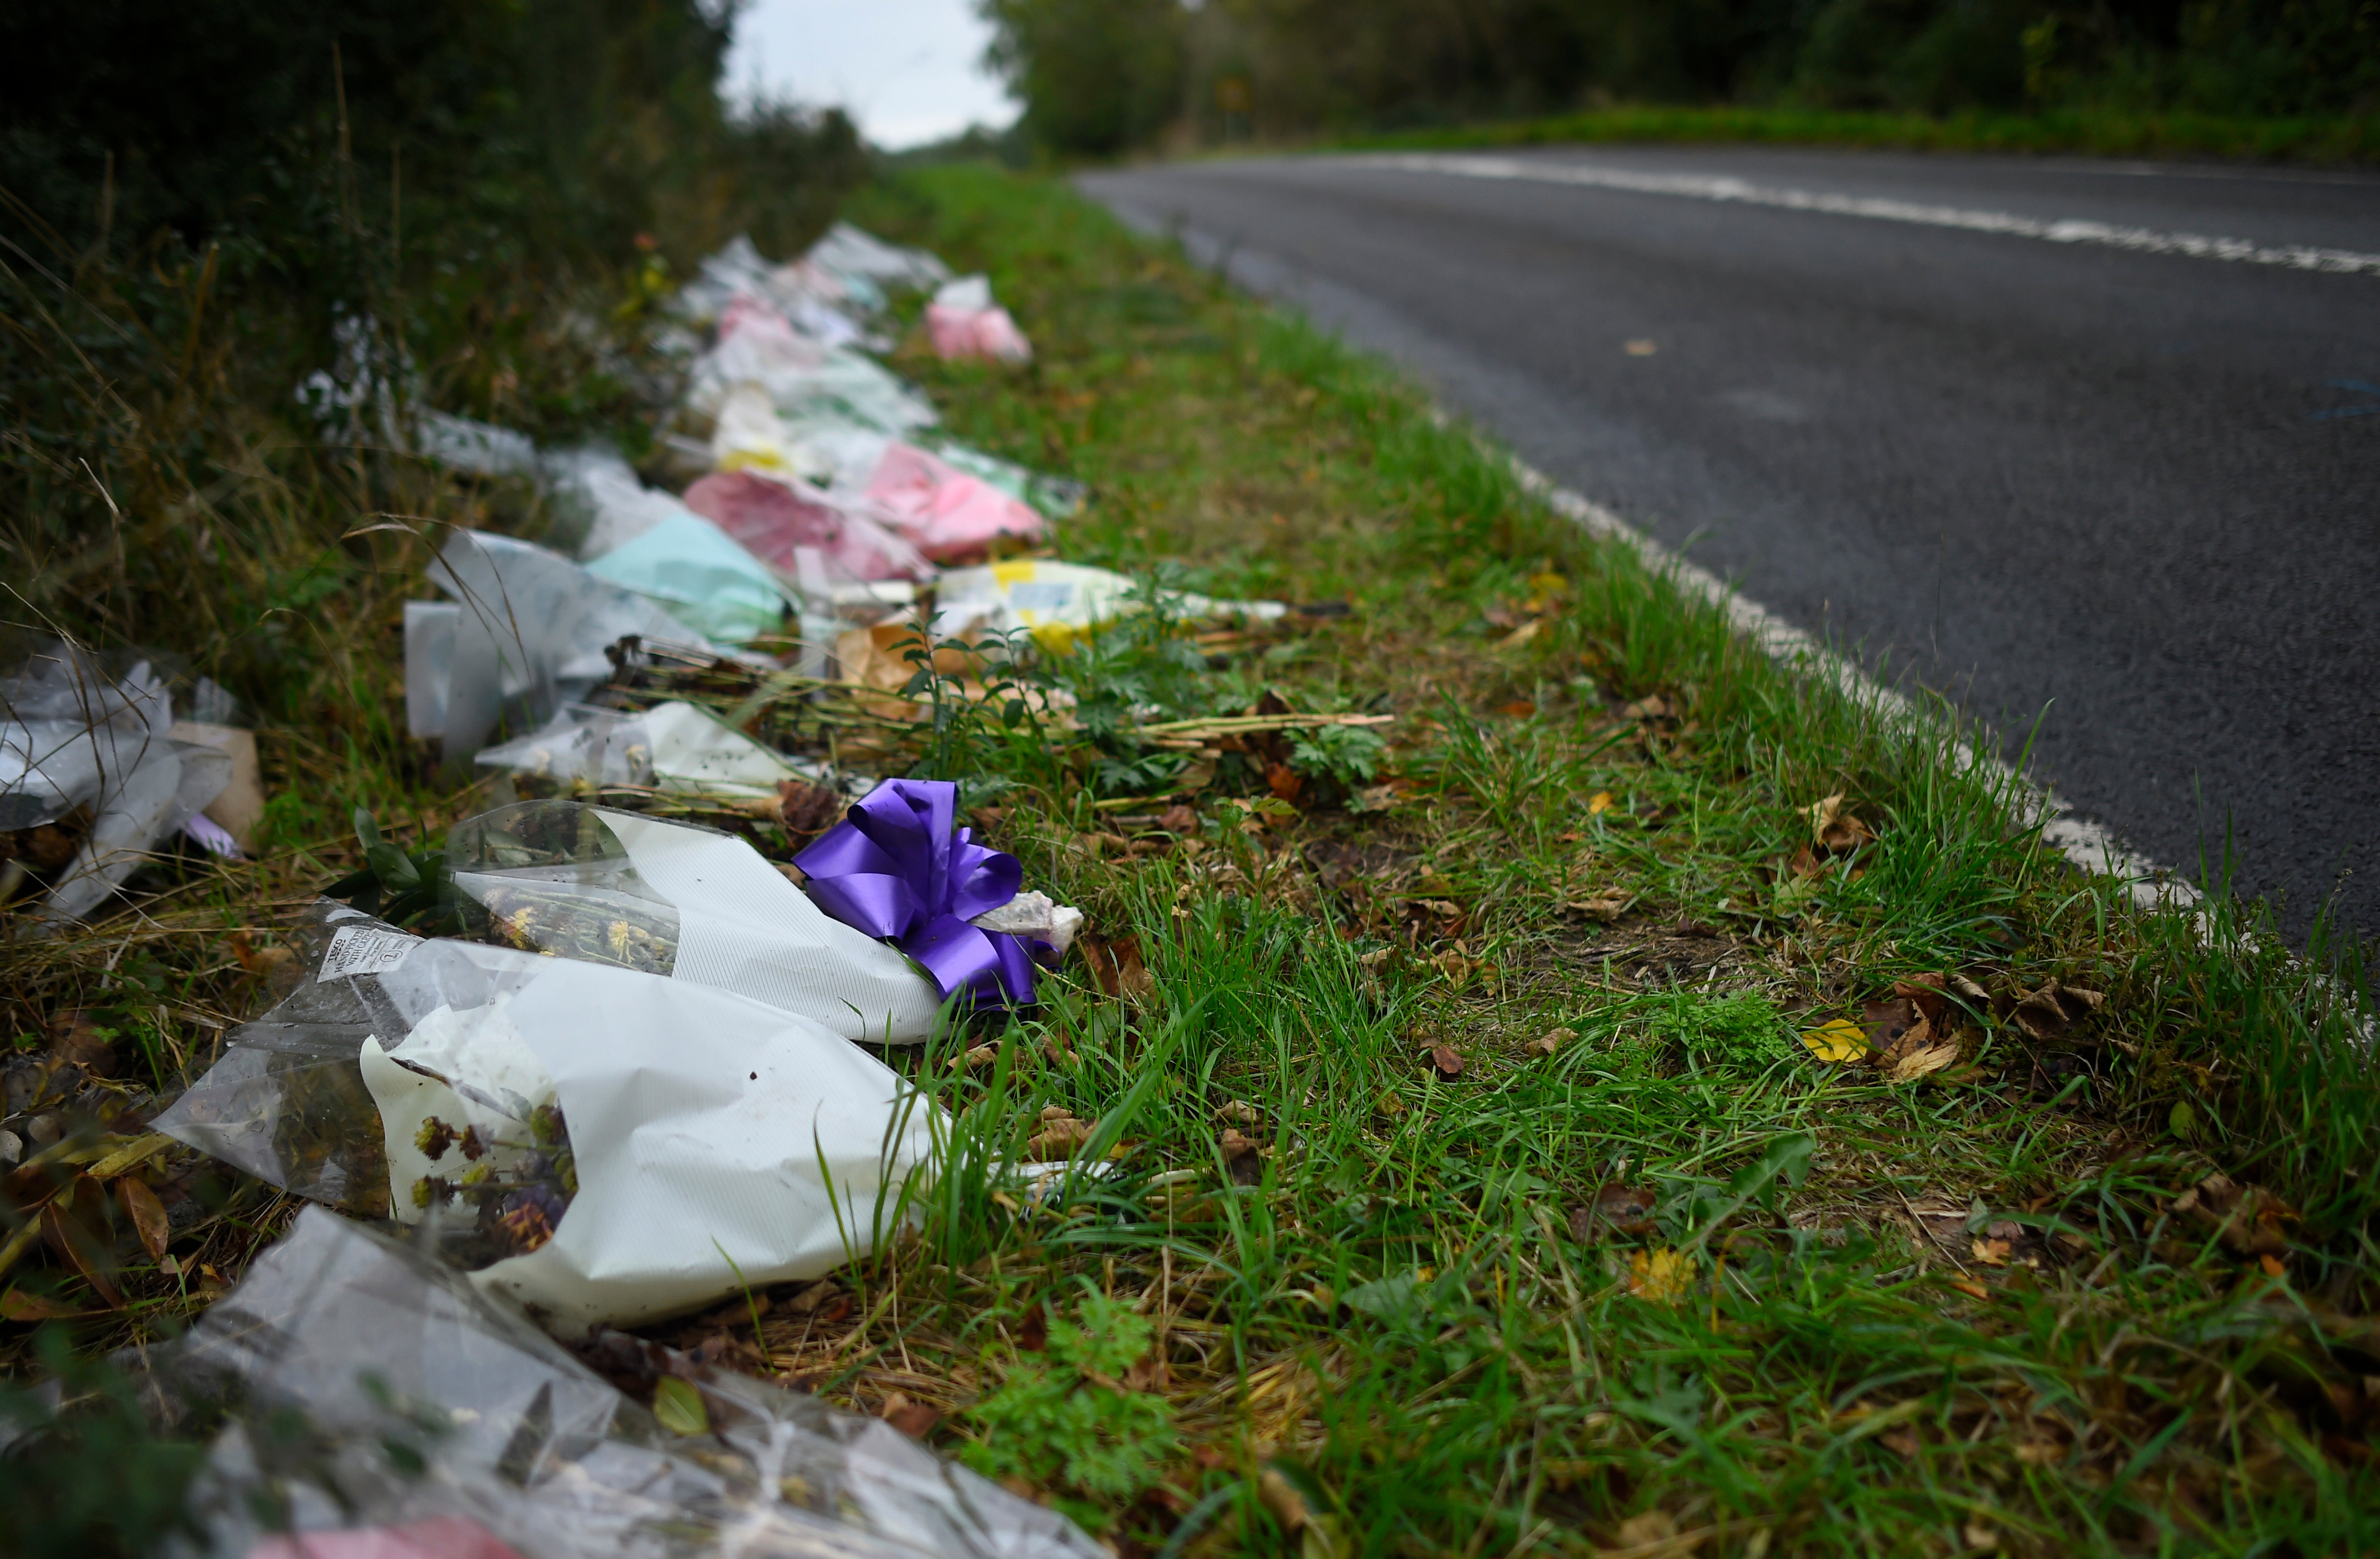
x,y
1720,187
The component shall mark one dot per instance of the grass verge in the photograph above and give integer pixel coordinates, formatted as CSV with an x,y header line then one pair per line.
x,y
1467,1185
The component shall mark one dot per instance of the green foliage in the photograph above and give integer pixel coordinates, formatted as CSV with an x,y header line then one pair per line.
x,y
1063,1419
91,1480
1349,753
1743,1032
1292,68
1096,76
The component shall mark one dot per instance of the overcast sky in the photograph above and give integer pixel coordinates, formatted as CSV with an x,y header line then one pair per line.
x,y
907,71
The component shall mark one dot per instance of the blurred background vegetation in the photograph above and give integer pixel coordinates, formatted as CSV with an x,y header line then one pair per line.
x,y
204,205
1103,77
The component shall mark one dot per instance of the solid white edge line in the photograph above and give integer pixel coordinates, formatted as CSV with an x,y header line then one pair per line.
x,y
1726,188
2088,845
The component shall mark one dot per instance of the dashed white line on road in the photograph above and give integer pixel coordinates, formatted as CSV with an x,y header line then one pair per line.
x,y
1724,188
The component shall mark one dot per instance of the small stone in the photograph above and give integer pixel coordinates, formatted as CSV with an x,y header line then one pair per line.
x,y
12,1147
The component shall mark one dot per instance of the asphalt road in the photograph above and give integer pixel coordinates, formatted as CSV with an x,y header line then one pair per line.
x,y
2125,490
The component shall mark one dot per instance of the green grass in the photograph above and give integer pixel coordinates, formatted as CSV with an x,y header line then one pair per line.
x,y
1388,1305
2352,139
1382,1311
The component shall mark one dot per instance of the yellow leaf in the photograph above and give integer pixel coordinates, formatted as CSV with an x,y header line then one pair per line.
x,y
679,1408
1599,802
1836,1041
1660,1276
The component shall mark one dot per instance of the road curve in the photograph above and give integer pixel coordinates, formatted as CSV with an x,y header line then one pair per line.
x,y
2086,443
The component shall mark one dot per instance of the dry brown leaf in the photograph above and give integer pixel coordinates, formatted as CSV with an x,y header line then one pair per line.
x,y
147,1215
1924,1060
19,1306
1243,1156
2248,1220
1447,1062
71,1227
915,1420
1549,1042
1970,1288
75,1041
1991,1253
1178,819
1618,1212
1115,965
1606,906
1280,1497
1060,1137
1887,1024
2048,1012
1150,1375
1238,1111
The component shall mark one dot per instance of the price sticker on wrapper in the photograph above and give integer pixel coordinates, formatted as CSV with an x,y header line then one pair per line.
x,y
365,949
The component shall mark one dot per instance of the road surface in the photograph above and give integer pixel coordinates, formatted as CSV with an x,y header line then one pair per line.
x,y
2015,429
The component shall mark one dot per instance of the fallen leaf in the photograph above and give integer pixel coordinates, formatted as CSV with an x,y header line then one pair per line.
x,y
913,1419
1970,1288
1652,707
1060,1137
1243,1156
1991,1253
1151,1374
1115,965
1238,1111
1033,1330
1280,1497
1598,802
805,808
2248,1220
17,1305
68,1228
1549,1042
75,1039
976,1059
1448,1064
1885,1023
1606,906
2047,1013
1837,1041
679,1408
1653,1526
1660,1276
1392,1106
2272,1266
1519,708
1834,830
1622,1212
1921,1060
260,962
148,1214
1178,819
1283,782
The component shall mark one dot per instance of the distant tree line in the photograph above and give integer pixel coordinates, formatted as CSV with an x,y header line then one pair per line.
x,y
526,130
1097,76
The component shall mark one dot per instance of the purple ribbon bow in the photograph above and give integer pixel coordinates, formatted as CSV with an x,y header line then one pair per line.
x,y
895,868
